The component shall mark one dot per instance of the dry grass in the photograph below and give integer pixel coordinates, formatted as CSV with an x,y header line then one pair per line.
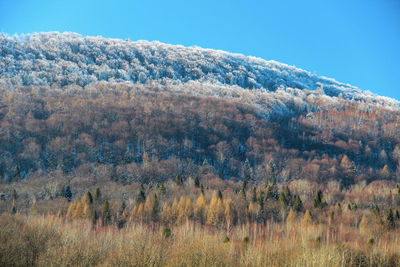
x,y
52,241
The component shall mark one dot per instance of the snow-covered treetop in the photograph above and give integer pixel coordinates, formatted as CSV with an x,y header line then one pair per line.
x,y
68,58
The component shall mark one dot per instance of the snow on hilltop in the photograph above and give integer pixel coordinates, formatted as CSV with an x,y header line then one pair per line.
x,y
68,58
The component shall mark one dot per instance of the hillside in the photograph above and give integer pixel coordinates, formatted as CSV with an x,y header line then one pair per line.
x,y
68,58
154,111
152,154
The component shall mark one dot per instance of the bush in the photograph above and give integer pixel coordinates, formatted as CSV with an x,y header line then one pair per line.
x,y
226,239
166,232
22,244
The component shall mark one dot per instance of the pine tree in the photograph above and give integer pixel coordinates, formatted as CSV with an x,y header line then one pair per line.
x,y
219,194
68,193
89,197
196,181
122,208
288,196
97,196
390,219
282,199
179,180
272,191
141,197
319,201
202,189
95,217
107,212
298,204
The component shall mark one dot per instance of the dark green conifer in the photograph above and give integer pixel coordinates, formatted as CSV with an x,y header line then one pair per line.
x,y
68,193
298,204
107,212
390,219
97,196
219,194
141,197
196,181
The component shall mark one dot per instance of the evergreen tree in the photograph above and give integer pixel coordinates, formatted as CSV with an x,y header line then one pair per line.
x,y
95,217
298,204
243,190
261,212
319,201
202,189
179,180
272,191
141,197
261,198
197,182
89,197
390,219
122,208
219,194
68,193
282,199
106,212
288,196
97,196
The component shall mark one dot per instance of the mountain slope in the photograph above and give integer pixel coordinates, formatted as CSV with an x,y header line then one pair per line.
x,y
151,112
68,58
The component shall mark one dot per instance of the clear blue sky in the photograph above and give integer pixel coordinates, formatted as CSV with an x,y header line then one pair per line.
x,y
352,41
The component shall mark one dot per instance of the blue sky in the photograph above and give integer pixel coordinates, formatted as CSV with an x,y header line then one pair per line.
x,y
356,42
